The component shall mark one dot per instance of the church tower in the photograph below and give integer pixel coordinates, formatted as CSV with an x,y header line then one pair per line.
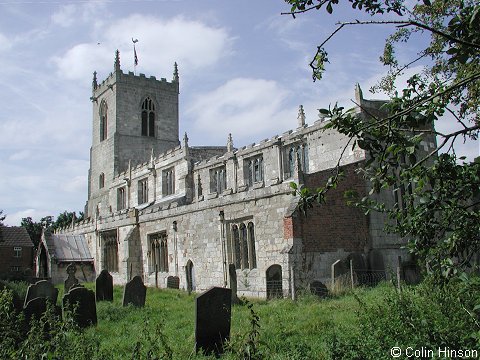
x,y
132,116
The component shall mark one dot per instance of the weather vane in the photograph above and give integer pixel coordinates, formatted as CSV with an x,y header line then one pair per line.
x,y
135,57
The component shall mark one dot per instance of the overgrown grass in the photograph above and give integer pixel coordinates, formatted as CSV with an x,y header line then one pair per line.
x,y
310,328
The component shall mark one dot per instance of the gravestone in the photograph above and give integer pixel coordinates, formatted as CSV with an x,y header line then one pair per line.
x,y
135,292
213,311
36,307
81,302
318,288
71,279
42,289
232,272
173,282
104,286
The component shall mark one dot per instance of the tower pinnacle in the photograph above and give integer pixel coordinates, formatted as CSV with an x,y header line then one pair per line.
x,y
117,60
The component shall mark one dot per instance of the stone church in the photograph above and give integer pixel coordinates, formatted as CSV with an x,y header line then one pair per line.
x,y
212,215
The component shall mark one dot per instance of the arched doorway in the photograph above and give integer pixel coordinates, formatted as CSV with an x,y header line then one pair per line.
x,y
42,263
190,276
274,282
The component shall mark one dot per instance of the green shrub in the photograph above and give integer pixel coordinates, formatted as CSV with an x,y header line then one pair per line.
x,y
425,316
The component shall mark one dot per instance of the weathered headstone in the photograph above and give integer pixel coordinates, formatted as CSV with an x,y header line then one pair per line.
x,y
42,289
71,279
213,311
36,307
135,292
232,272
173,282
104,286
318,288
81,302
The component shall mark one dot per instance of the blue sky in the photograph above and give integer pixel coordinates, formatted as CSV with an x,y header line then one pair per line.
x,y
243,70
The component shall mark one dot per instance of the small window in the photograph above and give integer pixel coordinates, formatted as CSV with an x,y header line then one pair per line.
x,y
148,118
103,121
17,251
121,198
218,180
168,181
142,191
15,268
101,181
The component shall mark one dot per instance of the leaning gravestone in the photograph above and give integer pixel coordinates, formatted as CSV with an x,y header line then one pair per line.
x,y
42,289
318,288
104,286
173,282
135,292
232,272
71,279
213,311
36,307
81,302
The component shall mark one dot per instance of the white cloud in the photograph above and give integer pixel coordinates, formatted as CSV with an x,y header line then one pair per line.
x,y
65,16
192,44
20,155
247,108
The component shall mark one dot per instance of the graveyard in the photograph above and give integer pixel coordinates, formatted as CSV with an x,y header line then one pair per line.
x,y
138,322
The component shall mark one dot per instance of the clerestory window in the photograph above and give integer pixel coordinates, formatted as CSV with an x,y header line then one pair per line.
x,y
148,118
168,179
142,191
218,180
254,170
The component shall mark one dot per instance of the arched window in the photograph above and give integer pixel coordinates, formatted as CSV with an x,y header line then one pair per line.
x,y
103,120
110,251
101,181
241,246
244,242
236,246
158,252
252,256
148,118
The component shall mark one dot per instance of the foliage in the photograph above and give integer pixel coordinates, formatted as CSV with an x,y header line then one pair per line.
x,y
427,317
35,229
2,217
362,325
439,210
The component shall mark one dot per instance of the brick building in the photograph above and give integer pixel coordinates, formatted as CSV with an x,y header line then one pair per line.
x,y
158,207
16,252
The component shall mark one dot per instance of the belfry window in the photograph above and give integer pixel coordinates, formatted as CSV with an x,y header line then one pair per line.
x,y
148,118
158,252
110,250
103,121
101,181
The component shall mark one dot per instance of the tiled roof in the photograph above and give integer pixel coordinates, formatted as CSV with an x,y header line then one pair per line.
x,y
14,236
68,248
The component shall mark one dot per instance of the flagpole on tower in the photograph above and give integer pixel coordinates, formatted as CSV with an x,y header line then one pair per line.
x,y
135,58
